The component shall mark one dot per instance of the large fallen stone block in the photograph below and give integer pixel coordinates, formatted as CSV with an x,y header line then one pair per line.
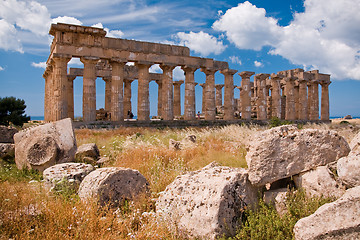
x,y
7,134
207,203
45,145
336,220
348,169
284,151
113,185
319,182
355,144
66,174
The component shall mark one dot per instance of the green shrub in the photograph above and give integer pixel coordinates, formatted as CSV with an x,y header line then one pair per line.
x,y
266,223
9,172
275,122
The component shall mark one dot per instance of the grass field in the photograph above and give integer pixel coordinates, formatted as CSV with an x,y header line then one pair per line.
x,y
27,211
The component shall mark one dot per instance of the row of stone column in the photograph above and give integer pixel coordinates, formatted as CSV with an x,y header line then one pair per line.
x,y
294,93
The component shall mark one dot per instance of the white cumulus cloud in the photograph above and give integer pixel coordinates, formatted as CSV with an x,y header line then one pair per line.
x,y
325,36
178,73
248,27
110,33
1,68
39,65
8,37
75,61
201,42
67,19
258,64
155,69
235,59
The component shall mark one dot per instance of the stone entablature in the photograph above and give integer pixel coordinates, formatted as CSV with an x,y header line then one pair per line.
x,y
291,94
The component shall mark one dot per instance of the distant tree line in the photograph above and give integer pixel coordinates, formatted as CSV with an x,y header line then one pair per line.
x,y
12,111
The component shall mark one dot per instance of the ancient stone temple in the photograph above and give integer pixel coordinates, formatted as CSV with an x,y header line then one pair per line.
x,y
291,94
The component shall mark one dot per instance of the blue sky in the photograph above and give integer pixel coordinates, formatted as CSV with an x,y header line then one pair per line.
x,y
258,35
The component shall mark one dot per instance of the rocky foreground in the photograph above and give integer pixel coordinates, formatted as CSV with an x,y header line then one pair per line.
x,y
209,203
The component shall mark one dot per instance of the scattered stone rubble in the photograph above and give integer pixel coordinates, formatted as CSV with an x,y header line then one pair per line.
x,y
7,134
45,145
88,153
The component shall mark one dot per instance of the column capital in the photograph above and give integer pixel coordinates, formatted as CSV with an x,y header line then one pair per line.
x,y
127,80
178,82
246,74
290,79
144,64
89,59
325,83
312,82
202,84
228,71
219,86
209,71
107,79
71,77
167,67
61,57
262,76
189,68
275,76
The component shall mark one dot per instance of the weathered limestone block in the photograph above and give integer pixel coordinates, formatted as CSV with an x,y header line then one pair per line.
x,y
284,151
207,203
355,144
278,198
174,145
319,182
46,145
70,174
7,134
7,150
88,152
336,220
348,169
113,185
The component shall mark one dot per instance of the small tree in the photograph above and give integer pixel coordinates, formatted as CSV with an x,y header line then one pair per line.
x,y
12,111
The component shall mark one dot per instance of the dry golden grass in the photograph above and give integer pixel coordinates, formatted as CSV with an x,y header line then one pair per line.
x,y
28,212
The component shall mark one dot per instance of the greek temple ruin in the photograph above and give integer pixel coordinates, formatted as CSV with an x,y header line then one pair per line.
x,y
290,95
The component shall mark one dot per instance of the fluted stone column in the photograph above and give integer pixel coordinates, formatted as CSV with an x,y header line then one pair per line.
x,y
325,114
143,113
261,96
107,81
218,95
177,97
245,94
297,100
117,84
303,99
167,92
127,96
89,88
71,96
46,76
203,85
229,107
159,106
313,100
275,95
60,89
189,104
283,101
210,110
290,112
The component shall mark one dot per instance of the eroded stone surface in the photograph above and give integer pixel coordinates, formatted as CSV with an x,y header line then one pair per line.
x,y
285,151
46,145
348,169
88,151
71,173
336,220
7,150
319,182
355,144
207,203
113,185
7,134
277,197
